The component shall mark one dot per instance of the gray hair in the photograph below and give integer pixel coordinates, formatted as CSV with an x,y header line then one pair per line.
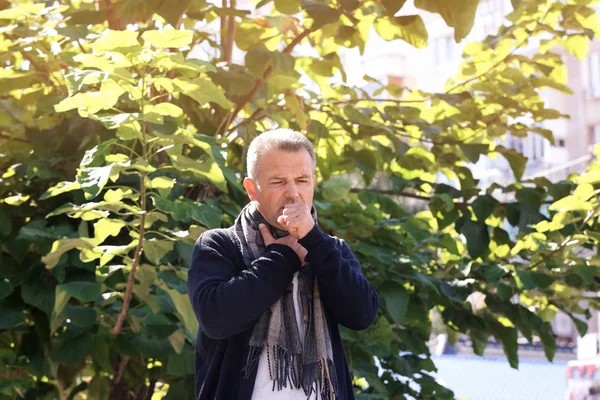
x,y
280,139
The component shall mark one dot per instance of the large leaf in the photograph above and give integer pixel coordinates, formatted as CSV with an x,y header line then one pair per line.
x,y
73,350
478,238
184,309
203,91
396,300
459,14
39,294
187,211
118,41
168,38
93,180
409,28
155,250
82,291
61,246
336,189
516,161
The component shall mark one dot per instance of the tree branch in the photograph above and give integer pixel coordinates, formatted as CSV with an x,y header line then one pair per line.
x,y
228,44
265,76
138,249
458,204
378,100
3,136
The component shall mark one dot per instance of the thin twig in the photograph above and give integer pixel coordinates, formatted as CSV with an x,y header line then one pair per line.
x,y
265,76
255,115
562,245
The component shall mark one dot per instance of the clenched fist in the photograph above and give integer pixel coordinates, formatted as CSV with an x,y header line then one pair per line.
x,y
297,219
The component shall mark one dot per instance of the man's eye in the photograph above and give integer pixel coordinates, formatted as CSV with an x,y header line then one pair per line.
x,y
303,181
276,182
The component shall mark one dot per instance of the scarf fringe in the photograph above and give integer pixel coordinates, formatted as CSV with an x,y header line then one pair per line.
x,y
286,368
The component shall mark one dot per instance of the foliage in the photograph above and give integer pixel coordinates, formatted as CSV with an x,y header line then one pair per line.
x,y
118,150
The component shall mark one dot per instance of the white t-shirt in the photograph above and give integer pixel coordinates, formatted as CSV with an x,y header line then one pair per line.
x,y
263,386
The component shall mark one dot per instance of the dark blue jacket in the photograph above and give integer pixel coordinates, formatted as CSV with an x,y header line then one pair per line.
x,y
228,298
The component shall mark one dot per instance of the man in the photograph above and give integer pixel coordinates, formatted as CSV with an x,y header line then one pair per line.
x,y
270,291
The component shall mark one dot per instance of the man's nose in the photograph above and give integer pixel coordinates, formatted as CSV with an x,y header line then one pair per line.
x,y
292,191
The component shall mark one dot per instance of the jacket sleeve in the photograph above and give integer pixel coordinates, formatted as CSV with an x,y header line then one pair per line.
x,y
227,301
345,291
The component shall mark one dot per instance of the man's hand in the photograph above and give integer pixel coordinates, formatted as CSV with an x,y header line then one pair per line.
x,y
297,218
289,241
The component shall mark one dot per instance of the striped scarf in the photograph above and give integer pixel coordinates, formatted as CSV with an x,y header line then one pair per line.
x,y
304,364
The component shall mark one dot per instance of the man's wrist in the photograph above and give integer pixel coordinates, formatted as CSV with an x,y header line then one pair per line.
x,y
312,239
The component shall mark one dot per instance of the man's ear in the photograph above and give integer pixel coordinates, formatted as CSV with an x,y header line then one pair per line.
x,y
251,188
314,180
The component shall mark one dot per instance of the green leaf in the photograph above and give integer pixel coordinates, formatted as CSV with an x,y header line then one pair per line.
x,y
474,150
534,279
516,161
59,188
11,315
508,337
478,238
396,300
257,60
459,14
99,388
548,340
61,246
578,45
409,28
184,308
173,281
336,189
186,211
321,14
6,288
393,6
82,291
80,315
61,299
73,350
155,250
39,294
117,41
93,180
168,38
492,273
21,10
483,207
87,17
5,222
145,275
587,272
456,289
288,6
203,91
181,364
164,109
107,227
479,339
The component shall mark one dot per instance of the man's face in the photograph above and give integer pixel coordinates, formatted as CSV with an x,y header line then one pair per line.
x,y
283,178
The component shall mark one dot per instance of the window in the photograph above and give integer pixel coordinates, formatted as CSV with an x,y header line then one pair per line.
x,y
594,136
595,73
444,49
561,142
